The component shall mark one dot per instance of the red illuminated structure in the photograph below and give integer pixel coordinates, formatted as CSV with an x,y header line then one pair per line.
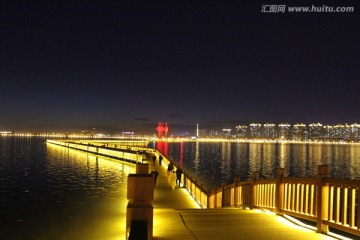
x,y
162,130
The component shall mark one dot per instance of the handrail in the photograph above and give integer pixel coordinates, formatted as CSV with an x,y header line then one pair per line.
x,y
195,189
125,155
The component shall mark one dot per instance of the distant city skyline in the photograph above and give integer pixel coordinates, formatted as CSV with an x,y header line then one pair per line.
x,y
255,130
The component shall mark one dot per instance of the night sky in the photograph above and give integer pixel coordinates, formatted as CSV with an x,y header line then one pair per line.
x,y
126,65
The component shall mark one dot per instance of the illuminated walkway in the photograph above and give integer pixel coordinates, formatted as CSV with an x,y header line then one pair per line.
x,y
178,216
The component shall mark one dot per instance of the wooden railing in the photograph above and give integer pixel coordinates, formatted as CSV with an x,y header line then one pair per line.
x,y
127,155
325,201
299,197
342,205
196,190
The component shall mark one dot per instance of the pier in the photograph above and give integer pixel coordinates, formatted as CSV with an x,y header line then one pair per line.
x,y
188,212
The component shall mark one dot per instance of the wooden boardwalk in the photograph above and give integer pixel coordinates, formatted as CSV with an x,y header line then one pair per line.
x,y
178,216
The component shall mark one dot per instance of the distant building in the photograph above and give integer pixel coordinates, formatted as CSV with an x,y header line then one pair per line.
x,y
347,133
226,132
355,130
214,133
269,131
298,132
316,132
284,131
329,133
202,132
255,130
338,132
241,131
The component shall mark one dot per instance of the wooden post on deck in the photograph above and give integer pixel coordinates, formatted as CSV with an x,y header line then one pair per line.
x,y
208,199
140,213
255,176
185,179
279,197
210,204
322,199
236,195
223,196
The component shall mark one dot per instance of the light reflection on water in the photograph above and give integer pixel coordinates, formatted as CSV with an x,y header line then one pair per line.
x,y
49,192
213,162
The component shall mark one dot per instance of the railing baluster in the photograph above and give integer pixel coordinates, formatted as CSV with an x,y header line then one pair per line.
x,y
297,198
352,208
286,196
292,197
313,201
357,202
345,207
331,204
337,205
307,192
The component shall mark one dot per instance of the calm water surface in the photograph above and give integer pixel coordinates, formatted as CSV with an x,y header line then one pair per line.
x,y
213,162
50,192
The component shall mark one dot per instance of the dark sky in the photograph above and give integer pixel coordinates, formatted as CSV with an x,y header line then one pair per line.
x,y
126,65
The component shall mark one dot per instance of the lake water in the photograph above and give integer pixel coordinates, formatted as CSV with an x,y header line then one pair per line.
x,y
49,192
213,162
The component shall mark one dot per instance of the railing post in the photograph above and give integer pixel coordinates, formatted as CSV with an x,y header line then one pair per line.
x,y
236,194
139,211
215,198
208,193
201,193
223,193
322,198
184,179
195,189
255,176
279,197
210,203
